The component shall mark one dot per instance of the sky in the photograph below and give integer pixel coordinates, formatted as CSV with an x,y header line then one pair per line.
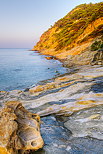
x,y
23,21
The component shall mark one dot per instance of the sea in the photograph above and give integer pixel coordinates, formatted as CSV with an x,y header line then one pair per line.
x,y
22,68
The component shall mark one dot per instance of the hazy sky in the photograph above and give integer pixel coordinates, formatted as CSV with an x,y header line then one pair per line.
x,y
23,21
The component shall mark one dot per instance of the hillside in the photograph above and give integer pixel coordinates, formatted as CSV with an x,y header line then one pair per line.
x,y
80,31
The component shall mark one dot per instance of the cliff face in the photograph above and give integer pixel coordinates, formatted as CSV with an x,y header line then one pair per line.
x,y
79,31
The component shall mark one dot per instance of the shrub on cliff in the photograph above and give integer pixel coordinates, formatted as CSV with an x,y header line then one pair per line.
x,y
97,45
66,30
74,23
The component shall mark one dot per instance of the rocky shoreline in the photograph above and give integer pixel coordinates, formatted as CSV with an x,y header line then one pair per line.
x,y
86,57
71,110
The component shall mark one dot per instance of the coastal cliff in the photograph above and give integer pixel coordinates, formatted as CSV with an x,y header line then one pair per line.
x,y
77,37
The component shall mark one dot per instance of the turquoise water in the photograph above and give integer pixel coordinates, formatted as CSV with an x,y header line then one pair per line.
x,y
20,68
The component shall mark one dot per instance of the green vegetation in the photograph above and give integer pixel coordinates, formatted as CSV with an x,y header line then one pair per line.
x,y
97,45
74,23
63,35
97,32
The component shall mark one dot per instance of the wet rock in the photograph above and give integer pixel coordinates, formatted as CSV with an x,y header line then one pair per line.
x,y
19,129
59,140
26,90
88,122
85,146
97,87
55,136
49,57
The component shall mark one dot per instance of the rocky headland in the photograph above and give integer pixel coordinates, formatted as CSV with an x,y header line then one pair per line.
x,y
77,38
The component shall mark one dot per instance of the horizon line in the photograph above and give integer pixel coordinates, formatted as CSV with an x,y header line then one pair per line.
x,y
14,48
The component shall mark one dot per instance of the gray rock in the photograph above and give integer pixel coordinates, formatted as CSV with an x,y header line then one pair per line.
x,y
87,123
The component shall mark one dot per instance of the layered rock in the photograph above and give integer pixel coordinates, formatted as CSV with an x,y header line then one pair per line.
x,y
87,123
71,110
19,129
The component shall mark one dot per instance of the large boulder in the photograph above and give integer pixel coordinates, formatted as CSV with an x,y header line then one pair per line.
x,y
19,129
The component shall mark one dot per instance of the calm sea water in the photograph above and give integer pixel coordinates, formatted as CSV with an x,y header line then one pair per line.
x,y
20,68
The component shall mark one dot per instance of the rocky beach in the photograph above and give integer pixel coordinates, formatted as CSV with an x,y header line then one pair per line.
x,y
71,110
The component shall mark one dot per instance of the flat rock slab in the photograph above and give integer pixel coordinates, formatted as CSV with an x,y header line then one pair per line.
x,y
87,122
59,140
